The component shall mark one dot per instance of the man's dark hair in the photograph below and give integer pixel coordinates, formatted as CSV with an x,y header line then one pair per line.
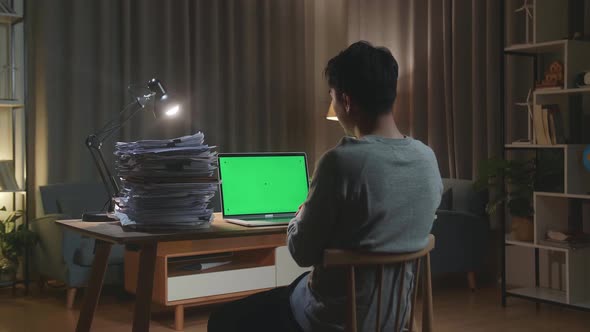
x,y
367,74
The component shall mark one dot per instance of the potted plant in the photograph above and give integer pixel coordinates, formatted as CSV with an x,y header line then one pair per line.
x,y
522,178
15,237
519,178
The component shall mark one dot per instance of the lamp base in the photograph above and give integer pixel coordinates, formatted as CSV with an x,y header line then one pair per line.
x,y
98,217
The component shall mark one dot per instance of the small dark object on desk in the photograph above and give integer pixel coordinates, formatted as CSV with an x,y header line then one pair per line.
x,y
98,217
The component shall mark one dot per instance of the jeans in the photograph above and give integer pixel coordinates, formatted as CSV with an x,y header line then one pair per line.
x,y
268,311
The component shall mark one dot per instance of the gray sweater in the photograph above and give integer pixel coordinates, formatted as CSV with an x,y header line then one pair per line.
x,y
373,194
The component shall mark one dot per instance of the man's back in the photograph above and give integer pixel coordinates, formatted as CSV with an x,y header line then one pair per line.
x,y
373,194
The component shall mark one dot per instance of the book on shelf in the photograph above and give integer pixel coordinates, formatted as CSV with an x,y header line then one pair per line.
x,y
546,129
555,124
7,179
548,125
552,127
5,8
539,127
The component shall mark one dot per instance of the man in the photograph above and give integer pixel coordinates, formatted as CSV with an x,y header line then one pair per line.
x,y
377,190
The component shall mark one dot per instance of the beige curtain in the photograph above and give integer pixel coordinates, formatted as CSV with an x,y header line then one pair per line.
x,y
246,71
249,74
449,52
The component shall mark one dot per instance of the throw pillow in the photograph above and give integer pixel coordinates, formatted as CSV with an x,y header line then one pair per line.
x,y
446,202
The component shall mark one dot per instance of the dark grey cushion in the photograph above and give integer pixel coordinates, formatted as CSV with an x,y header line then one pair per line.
x,y
73,199
465,198
446,202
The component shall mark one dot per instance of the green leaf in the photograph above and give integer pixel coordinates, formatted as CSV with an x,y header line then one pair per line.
x,y
15,236
518,176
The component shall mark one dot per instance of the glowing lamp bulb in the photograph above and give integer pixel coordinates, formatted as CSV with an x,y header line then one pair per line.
x,y
172,111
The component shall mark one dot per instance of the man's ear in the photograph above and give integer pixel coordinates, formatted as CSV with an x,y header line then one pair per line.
x,y
346,103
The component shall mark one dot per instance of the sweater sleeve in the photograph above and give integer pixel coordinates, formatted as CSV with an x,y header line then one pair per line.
x,y
309,231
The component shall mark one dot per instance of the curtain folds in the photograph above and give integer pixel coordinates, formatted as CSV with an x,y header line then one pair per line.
x,y
449,56
249,74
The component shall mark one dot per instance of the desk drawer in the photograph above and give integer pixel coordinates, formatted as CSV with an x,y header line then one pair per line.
x,y
214,283
200,247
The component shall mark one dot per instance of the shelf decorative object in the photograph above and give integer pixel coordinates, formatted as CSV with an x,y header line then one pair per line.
x,y
583,79
586,158
527,10
553,76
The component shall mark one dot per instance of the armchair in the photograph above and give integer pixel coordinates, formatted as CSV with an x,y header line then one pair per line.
x,y
66,256
461,230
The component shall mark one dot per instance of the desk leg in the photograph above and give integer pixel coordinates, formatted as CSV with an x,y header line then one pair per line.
x,y
179,317
145,285
99,267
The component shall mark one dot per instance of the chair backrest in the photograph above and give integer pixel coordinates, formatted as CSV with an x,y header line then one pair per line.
x,y
73,199
351,259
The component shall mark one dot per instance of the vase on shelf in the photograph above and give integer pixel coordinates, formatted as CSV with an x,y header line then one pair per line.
x,y
522,229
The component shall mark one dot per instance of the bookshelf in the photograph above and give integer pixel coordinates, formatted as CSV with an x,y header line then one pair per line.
x,y
561,272
12,108
13,170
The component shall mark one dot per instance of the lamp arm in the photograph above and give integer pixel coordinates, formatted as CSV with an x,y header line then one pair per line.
x,y
108,127
155,91
111,186
94,145
108,132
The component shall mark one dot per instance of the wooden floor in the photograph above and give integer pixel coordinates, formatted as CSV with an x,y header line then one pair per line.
x,y
455,309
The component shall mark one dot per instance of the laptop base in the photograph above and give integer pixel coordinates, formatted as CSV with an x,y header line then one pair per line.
x,y
260,222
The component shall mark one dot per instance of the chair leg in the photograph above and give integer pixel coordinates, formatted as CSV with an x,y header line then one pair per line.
x,y
471,280
427,312
179,317
70,297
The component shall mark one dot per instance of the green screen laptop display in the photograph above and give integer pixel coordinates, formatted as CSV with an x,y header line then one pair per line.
x,y
262,184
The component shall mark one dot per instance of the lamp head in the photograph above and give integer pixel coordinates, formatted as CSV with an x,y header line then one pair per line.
x,y
163,105
172,110
166,109
157,88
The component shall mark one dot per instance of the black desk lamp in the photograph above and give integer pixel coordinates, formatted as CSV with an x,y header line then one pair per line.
x,y
153,92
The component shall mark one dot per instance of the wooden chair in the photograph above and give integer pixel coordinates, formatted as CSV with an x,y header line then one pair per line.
x,y
352,259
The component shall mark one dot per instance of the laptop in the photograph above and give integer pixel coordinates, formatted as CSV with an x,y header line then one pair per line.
x,y
262,189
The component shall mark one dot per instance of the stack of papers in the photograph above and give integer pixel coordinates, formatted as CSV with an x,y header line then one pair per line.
x,y
167,184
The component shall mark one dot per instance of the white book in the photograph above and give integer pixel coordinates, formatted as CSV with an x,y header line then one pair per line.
x,y
539,128
546,129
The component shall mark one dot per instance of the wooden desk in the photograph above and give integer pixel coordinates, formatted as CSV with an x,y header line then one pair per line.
x,y
107,234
